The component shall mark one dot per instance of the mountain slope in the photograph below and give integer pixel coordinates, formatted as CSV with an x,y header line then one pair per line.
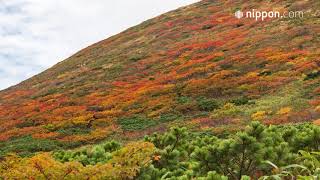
x,y
197,66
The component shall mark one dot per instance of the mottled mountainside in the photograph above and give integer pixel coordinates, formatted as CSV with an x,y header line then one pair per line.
x,y
197,66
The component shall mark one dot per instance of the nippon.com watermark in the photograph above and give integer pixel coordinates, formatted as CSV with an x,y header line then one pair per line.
x,y
263,15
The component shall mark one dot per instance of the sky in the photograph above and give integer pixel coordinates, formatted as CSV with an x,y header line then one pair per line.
x,y
36,34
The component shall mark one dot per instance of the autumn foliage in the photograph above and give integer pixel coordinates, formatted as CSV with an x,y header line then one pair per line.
x,y
198,66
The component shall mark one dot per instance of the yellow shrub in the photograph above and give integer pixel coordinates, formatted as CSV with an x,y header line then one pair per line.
x,y
228,109
252,74
41,166
284,111
125,164
260,115
128,160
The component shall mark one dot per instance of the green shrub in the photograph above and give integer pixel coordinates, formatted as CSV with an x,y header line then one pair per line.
x,y
67,131
135,123
27,146
168,117
240,101
89,156
186,155
205,104
183,99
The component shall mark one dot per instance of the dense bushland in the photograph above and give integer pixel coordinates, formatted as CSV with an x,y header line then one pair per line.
x,y
259,151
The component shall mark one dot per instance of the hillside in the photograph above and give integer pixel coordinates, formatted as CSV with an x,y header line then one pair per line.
x,y
197,66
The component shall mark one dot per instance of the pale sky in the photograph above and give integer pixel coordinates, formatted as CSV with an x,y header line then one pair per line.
x,y
36,34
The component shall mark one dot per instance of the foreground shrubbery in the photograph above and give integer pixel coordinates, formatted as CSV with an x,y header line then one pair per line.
x,y
272,152
125,164
188,155
98,154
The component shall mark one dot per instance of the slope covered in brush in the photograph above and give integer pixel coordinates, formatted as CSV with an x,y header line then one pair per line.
x,y
197,66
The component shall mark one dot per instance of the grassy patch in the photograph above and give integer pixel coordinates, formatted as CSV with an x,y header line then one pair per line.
x,y
289,96
73,131
27,146
168,117
135,123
